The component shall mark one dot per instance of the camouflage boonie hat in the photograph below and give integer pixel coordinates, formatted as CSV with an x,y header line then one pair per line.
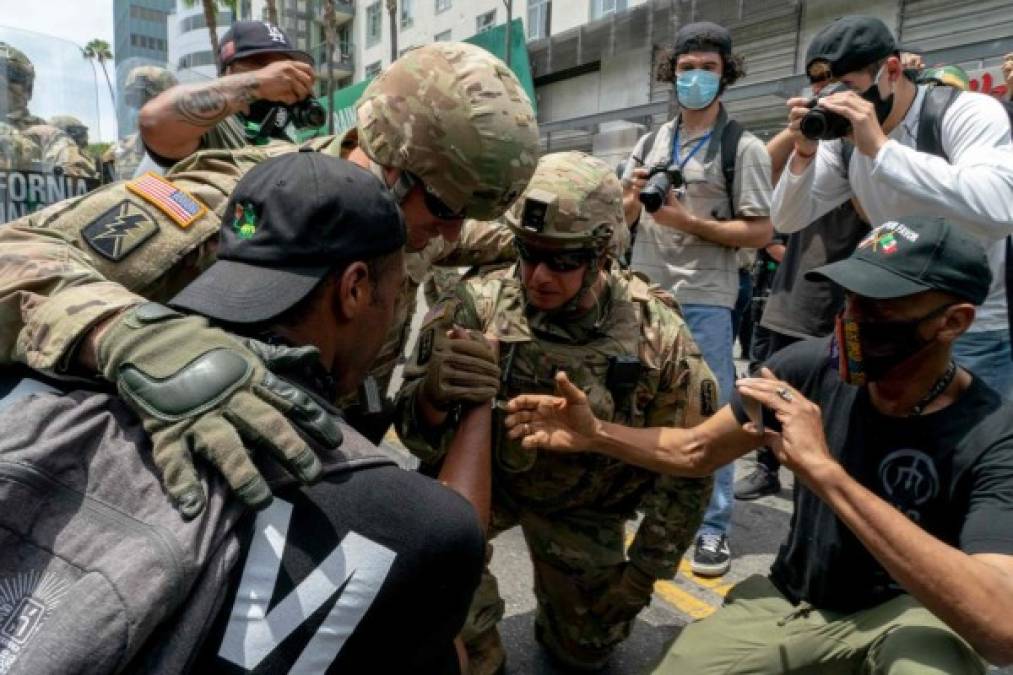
x,y
574,202
456,117
147,82
19,69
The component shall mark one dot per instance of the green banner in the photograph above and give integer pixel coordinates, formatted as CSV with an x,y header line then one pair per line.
x,y
492,40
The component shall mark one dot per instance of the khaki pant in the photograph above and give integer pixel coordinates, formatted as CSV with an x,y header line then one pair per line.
x,y
759,631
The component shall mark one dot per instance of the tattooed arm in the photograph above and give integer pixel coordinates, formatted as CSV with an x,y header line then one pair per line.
x,y
173,122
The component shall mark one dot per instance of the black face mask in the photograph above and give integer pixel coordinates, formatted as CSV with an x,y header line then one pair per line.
x,y
868,350
882,105
261,124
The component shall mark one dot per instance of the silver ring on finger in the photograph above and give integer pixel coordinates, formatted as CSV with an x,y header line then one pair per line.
x,y
785,394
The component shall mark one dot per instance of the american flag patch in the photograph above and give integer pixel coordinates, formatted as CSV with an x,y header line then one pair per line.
x,y
183,208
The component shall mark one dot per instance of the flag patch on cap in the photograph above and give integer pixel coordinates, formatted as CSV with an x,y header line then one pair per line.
x,y
183,208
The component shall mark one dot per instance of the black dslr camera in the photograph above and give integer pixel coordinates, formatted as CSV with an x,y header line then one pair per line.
x,y
661,179
820,124
307,114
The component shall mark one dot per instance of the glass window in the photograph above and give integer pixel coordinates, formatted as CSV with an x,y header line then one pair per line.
x,y
484,22
442,5
600,8
442,37
373,69
407,13
539,15
373,24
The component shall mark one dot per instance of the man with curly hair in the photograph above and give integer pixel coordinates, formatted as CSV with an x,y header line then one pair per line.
x,y
688,245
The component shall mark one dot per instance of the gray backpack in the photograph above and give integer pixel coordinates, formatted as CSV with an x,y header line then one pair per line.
x,y
98,572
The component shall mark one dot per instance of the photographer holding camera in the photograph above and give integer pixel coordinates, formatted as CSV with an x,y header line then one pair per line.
x,y
917,150
265,83
700,189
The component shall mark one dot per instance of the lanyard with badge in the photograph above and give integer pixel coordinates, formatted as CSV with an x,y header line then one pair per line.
x,y
677,148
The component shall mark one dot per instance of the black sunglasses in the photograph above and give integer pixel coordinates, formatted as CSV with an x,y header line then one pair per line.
x,y
560,261
434,204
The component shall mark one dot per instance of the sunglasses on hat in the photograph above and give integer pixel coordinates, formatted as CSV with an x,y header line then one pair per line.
x,y
557,261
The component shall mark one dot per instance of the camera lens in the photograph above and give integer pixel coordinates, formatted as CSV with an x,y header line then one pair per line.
x,y
653,195
813,125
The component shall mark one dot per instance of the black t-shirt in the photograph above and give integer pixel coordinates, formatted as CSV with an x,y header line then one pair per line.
x,y
801,308
369,571
950,471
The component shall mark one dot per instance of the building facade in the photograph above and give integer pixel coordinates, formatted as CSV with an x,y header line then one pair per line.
x,y
595,86
140,29
189,45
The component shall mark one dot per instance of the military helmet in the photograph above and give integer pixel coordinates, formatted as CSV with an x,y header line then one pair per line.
x,y
951,76
18,67
144,83
573,202
456,117
74,127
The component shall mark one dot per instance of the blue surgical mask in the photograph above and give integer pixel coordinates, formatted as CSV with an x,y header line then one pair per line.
x,y
696,89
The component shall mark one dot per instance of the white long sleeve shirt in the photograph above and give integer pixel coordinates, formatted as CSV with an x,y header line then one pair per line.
x,y
974,189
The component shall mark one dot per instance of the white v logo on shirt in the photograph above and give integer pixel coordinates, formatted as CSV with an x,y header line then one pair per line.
x,y
357,568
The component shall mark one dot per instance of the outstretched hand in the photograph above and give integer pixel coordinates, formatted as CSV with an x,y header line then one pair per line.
x,y
562,423
801,445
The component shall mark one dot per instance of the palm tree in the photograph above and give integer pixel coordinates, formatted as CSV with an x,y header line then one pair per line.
x,y
211,19
98,50
392,12
272,12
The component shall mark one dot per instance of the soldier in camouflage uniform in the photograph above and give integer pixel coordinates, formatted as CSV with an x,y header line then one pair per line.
x,y
51,145
565,307
73,127
142,84
71,273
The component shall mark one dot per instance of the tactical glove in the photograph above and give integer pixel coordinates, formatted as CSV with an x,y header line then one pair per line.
x,y
199,391
460,369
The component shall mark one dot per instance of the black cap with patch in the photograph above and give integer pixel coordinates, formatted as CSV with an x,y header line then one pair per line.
x,y
851,43
290,220
898,259
703,36
247,38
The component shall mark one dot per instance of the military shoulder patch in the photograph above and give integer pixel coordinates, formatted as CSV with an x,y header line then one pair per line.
x,y
182,207
426,346
708,397
120,231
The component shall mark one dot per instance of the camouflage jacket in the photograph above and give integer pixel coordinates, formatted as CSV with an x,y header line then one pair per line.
x,y
671,387
65,268
68,266
481,243
59,149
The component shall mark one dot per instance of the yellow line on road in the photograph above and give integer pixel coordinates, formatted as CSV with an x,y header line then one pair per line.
x,y
715,584
686,603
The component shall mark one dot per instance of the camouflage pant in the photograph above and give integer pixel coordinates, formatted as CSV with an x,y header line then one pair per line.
x,y
577,556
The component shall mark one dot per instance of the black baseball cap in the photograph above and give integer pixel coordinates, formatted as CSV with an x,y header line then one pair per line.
x,y
247,38
898,259
703,35
290,220
850,43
